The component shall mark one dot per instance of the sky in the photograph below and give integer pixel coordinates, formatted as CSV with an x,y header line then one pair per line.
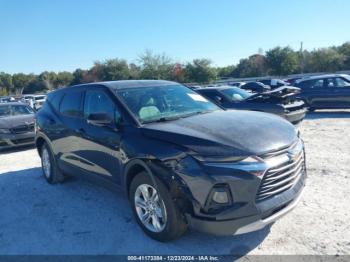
x,y
62,35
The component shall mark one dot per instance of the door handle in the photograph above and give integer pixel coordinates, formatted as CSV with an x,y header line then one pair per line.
x,y
80,130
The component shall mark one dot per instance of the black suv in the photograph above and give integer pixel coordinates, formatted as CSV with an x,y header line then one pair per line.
x,y
325,91
181,160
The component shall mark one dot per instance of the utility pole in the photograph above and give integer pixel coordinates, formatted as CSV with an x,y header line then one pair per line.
x,y
301,58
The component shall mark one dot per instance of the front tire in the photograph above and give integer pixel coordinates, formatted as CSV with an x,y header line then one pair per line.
x,y
154,209
50,170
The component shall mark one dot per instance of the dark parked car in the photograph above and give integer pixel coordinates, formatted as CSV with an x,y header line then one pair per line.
x,y
16,125
325,91
181,160
256,87
277,102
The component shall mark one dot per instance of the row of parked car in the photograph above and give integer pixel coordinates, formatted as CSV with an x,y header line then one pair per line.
x,y
288,99
181,158
34,101
17,115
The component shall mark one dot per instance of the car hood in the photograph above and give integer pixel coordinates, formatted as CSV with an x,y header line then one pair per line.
x,y
13,121
281,92
226,133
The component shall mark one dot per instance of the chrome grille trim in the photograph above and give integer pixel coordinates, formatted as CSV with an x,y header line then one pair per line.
x,y
282,175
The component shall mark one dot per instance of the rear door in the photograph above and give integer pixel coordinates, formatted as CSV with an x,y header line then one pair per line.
x,y
317,93
68,141
341,92
99,149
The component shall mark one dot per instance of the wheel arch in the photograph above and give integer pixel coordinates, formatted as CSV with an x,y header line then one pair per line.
x,y
171,181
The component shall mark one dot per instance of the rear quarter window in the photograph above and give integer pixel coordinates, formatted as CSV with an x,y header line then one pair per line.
x,y
71,104
55,100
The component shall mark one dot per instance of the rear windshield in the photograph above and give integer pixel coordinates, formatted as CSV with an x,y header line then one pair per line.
x,y
14,110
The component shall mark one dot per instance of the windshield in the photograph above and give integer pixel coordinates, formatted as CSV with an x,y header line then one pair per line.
x,y
235,94
14,110
347,77
151,104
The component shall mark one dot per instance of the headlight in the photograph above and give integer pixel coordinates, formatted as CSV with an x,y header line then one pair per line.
x,y
4,131
252,164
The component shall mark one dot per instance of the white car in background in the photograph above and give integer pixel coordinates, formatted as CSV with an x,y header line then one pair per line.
x,y
35,101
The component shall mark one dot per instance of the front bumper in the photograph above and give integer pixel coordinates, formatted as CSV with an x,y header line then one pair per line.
x,y
257,201
15,140
295,117
270,211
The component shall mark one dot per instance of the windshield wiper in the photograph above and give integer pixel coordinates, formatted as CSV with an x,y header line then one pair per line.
x,y
162,119
196,113
172,118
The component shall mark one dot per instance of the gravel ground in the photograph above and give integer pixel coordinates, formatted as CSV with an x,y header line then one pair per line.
x,y
78,217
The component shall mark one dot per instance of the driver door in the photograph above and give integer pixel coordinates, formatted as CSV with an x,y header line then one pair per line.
x,y
100,152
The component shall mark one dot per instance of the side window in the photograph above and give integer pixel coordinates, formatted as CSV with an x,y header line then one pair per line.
x,y
340,82
71,104
97,101
55,100
330,82
311,84
317,84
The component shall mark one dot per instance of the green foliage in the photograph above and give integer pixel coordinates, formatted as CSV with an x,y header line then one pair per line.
x,y
277,61
282,61
325,60
200,71
255,65
155,66
6,84
226,71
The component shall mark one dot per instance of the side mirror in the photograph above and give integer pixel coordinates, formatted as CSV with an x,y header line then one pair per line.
x,y
99,119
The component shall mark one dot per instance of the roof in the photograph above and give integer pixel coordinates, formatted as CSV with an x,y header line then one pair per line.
x,y
130,83
319,77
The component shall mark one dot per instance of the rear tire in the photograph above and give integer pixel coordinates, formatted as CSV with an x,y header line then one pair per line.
x,y
49,167
171,222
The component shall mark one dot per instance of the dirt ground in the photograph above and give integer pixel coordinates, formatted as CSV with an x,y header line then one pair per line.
x,y
78,217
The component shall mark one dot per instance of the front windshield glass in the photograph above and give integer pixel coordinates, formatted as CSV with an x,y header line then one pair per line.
x,y
151,104
347,77
14,110
235,94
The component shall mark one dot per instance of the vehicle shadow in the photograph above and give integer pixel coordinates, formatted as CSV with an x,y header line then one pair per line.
x,y
16,149
327,114
78,217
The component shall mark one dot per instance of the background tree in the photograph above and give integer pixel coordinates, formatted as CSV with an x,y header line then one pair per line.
x,y
325,60
282,61
255,65
112,69
155,66
6,84
200,71
63,79
226,71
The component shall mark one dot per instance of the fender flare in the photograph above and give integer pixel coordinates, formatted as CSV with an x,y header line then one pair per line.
x,y
131,164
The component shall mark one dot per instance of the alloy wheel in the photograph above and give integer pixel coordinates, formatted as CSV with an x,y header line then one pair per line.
x,y
45,159
150,208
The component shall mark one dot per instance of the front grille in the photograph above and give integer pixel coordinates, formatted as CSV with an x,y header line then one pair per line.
x,y
23,140
282,177
22,129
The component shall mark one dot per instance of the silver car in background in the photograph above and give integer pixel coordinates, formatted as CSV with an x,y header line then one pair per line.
x,y
16,125
35,101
